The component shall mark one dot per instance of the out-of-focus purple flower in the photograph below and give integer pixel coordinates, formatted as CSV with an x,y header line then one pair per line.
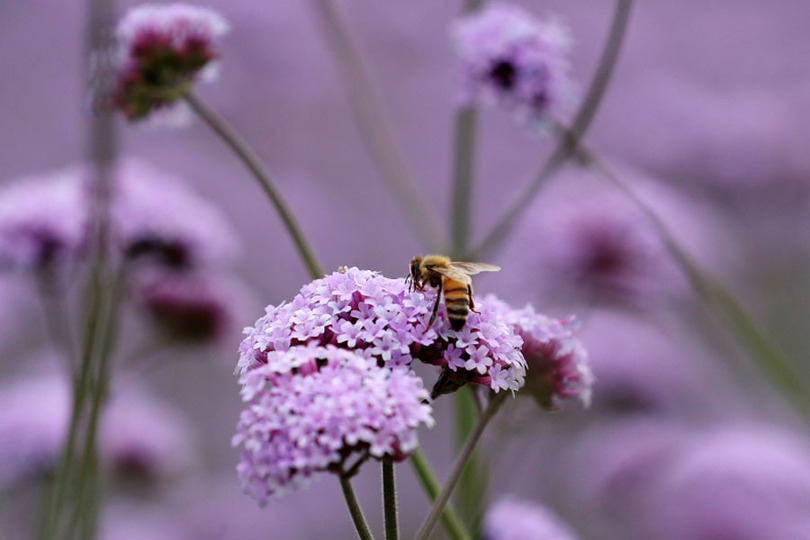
x,y
162,50
187,307
653,479
745,483
557,361
642,369
513,59
513,519
314,409
33,422
43,220
132,521
590,244
158,217
142,438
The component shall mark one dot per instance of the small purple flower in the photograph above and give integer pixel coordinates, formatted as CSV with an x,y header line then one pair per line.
x,y
162,50
380,319
187,307
557,361
34,413
314,409
43,220
515,60
513,519
157,217
143,438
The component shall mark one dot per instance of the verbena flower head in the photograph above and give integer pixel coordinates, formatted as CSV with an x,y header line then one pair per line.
x,y
142,438
380,319
515,60
513,519
187,307
314,409
43,220
34,412
157,217
162,50
557,361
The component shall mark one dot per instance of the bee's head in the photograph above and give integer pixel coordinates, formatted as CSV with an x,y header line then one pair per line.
x,y
414,272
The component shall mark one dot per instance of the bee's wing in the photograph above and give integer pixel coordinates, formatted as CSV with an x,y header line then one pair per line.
x,y
473,268
452,273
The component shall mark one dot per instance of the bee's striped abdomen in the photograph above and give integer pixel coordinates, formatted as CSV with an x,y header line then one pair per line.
x,y
457,302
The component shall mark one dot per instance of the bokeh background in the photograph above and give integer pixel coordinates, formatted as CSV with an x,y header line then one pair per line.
x,y
706,116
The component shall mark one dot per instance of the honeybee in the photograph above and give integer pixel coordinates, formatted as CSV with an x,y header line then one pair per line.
x,y
451,278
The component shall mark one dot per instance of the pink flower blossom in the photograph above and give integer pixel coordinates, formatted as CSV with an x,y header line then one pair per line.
x,y
162,50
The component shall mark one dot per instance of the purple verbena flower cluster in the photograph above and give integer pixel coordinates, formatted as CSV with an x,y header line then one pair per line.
x,y
515,60
157,216
557,361
513,519
162,49
314,409
43,221
379,318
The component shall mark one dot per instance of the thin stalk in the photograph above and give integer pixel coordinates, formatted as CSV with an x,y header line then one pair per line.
x,y
249,158
363,532
716,297
461,461
54,315
563,150
102,151
463,177
473,481
88,483
374,126
451,521
390,500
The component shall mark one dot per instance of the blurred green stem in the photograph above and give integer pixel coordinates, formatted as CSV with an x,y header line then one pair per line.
x,y
463,175
390,499
354,509
563,151
451,521
249,158
461,461
714,295
374,126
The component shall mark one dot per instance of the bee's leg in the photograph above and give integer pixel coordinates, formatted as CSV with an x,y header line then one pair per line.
x,y
472,304
435,307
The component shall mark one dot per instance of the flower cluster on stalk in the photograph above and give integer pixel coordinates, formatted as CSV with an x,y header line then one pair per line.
x,y
327,383
558,366
515,60
162,50
321,409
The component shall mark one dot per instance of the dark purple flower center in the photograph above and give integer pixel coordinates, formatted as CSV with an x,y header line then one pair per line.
x,y
504,74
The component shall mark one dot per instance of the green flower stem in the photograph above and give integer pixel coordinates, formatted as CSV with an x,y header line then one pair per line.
x,y
374,126
472,493
716,297
463,173
102,150
390,500
564,149
249,158
363,532
451,521
89,482
461,461
52,297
